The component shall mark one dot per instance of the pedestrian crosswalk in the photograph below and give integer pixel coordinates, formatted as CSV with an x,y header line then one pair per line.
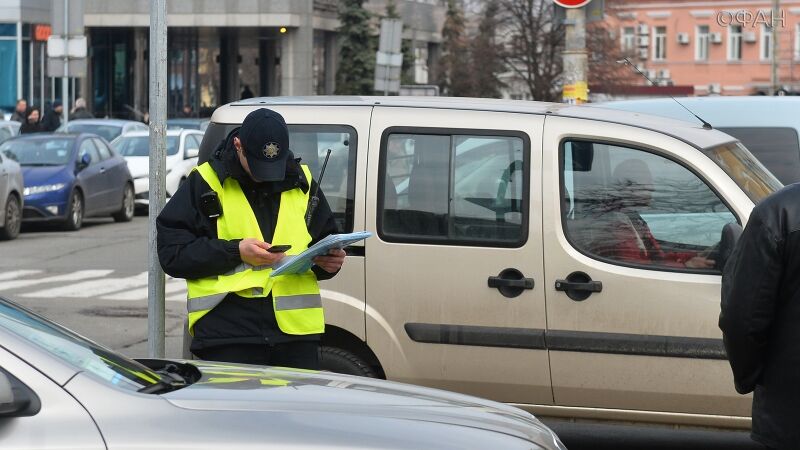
x,y
88,284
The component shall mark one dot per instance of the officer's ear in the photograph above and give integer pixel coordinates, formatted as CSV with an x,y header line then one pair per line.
x,y
237,144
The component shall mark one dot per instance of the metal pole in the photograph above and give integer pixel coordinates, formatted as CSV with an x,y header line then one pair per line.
x,y
774,73
65,78
19,60
158,168
42,70
576,65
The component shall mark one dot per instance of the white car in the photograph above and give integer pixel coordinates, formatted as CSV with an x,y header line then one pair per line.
x,y
182,149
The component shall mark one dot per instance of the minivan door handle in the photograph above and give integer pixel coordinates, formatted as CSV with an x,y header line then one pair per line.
x,y
579,286
510,283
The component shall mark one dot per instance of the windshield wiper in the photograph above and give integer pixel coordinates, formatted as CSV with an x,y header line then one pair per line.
x,y
170,380
40,164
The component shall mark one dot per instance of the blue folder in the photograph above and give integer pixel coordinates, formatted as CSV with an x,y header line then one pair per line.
x,y
302,263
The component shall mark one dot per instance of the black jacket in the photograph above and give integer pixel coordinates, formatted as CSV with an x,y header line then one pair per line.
x,y
188,247
51,121
81,113
760,317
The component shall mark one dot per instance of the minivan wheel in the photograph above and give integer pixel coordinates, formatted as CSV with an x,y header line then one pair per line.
x,y
74,212
13,216
126,211
342,361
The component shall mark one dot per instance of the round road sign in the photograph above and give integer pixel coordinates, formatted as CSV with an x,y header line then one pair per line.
x,y
572,3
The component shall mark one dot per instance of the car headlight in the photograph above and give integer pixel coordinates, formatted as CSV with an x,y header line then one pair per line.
x,y
31,190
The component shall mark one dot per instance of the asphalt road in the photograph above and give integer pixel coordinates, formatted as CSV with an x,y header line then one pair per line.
x,y
94,282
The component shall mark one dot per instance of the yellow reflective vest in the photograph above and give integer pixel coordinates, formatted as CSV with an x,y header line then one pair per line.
x,y
295,298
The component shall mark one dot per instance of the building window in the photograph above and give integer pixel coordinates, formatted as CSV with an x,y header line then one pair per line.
x,y
701,43
454,189
421,65
766,42
797,42
628,39
659,43
735,43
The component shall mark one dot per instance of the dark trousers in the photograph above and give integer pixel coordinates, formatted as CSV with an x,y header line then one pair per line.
x,y
298,355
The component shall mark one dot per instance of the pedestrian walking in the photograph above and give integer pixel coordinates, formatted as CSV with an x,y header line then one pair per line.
x,y
80,111
32,122
20,111
52,119
760,317
217,232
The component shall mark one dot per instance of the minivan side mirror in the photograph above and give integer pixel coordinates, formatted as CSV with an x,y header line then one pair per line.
x,y
192,153
16,399
731,233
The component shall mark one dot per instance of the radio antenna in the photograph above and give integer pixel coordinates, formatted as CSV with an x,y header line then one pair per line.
x,y
628,62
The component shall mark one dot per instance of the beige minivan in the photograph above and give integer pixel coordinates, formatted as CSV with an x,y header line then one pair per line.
x,y
563,259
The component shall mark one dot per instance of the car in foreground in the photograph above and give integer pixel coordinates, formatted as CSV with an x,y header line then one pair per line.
x,y
11,185
59,390
182,149
70,177
108,129
768,126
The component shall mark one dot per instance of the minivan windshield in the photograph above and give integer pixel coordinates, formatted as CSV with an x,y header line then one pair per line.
x,y
83,354
754,179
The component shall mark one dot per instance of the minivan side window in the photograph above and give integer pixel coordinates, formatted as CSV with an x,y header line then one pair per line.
x,y
636,208
311,144
777,148
458,189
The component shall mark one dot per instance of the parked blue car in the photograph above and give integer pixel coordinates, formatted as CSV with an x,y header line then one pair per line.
x,y
69,177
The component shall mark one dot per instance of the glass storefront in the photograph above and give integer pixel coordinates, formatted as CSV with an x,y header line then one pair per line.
x,y
37,88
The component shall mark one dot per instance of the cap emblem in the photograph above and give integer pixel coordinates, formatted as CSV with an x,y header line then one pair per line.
x,y
271,150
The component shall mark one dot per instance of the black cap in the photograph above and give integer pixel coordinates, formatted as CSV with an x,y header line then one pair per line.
x,y
265,140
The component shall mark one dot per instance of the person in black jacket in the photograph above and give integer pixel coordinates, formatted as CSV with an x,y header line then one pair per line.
x,y
760,317
32,124
241,329
52,119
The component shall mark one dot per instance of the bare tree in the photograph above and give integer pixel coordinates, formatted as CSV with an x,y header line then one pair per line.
x,y
487,54
534,42
455,51
605,51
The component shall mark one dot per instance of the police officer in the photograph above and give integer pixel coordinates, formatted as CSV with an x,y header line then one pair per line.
x,y
216,232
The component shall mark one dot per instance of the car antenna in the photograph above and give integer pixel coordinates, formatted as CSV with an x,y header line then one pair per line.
x,y
314,200
628,62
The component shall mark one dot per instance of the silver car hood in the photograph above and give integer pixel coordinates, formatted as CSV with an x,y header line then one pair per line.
x,y
239,387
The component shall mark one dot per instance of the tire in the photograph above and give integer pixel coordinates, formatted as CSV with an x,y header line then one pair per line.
x,y
75,212
342,361
13,219
126,211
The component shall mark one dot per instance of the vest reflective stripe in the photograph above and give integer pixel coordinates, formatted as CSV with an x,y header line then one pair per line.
x,y
206,303
238,221
298,302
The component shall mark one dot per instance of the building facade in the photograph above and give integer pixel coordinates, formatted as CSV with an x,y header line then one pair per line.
x,y
720,47
218,51
24,29
223,50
